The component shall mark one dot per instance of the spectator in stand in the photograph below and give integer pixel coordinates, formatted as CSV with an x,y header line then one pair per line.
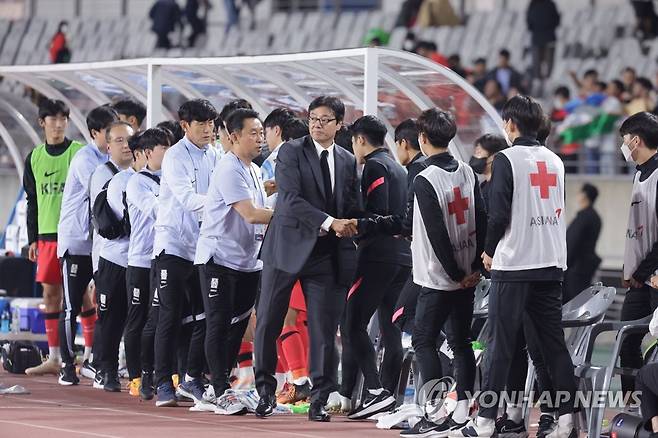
x,y
478,75
588,85
642,100
455,64
613,110
561,97
435,13
428,49
494,94
59,48
165,15
628,76
542,18
647,20
408,13
198,24
506,75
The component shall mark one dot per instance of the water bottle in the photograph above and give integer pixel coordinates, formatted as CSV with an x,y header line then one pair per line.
x,y
4,321
15,320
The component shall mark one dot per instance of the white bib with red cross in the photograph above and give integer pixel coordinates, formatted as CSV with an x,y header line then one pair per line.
x,y
642,230
455,193
536,236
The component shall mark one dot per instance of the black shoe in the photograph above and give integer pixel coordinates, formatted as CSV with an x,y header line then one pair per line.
x,y
146,388
266,405
547,425
424,428
317,413
506,426
373,404
112,383
67,376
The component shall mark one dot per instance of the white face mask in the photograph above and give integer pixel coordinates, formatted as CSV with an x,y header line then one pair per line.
x,y
557,104
627,152
421,147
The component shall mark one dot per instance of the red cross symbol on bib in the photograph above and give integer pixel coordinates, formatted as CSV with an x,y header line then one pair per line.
x,y
459,206
543,180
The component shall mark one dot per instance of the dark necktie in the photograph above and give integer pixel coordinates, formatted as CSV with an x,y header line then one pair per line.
x,y
326,179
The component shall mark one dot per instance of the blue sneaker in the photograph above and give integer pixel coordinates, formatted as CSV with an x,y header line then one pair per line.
x,y
193,389
166,396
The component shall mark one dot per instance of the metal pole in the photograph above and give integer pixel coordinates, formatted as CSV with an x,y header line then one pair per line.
x,y
371,82
124,8
153,96
78,7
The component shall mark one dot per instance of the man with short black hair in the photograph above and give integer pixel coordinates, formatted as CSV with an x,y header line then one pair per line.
x,y
486,148
274,124
142,204
186,171
130,111
383,266
75,247
44,178
220,122
227,254
525,211
317,184
640,140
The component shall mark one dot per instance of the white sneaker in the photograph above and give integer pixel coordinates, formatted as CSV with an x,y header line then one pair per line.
x,y
473,430
401,415
87,370
338,403
49,366
98,380
565,428
123,373
249,398
229,404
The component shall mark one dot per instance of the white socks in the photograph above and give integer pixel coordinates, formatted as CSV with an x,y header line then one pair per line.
x,y
460,414
376,391
565,422
87,354
485,423
514,413
300,381
54,355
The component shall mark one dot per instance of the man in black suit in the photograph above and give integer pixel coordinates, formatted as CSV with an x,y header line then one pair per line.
x,y
317,183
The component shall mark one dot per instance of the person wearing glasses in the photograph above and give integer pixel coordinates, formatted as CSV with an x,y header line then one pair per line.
x,y
111,276
317,186
186,171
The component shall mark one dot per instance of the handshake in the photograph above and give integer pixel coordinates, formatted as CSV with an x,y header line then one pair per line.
x,y
345,227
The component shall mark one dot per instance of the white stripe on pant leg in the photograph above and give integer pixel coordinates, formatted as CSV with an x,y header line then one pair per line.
x,y
67,318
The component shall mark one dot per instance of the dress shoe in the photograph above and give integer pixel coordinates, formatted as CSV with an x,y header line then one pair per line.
x,y
317,413
266,405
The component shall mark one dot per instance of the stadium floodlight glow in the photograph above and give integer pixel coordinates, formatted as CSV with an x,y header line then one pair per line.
x,y
392,84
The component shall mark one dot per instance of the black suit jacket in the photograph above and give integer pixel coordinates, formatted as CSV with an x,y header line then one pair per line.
x,y
299,211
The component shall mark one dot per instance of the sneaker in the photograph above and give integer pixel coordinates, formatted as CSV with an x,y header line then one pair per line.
x,y
547,425
87,370
98,380
193,389
111,382
133,389
336,403
123,373
166,396
266,406
400,417
505,426
67,376
230,404
444,428
472,429
424,428
373,404
294,394
249,398
563,432
146,389
49,366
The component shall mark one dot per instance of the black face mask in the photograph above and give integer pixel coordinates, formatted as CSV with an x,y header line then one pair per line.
x,y
478,164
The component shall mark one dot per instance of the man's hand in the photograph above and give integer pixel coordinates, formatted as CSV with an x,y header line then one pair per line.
x,y
470,281
344,227
32,252
270,187
654,282
486,261
631,283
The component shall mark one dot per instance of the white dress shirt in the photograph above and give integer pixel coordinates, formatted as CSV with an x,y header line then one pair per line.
x,y
326,225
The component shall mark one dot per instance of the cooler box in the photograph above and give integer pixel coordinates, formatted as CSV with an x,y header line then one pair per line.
x,y
30,315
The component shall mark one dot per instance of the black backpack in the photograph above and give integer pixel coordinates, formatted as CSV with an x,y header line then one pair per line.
x,y
102,216
17,356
